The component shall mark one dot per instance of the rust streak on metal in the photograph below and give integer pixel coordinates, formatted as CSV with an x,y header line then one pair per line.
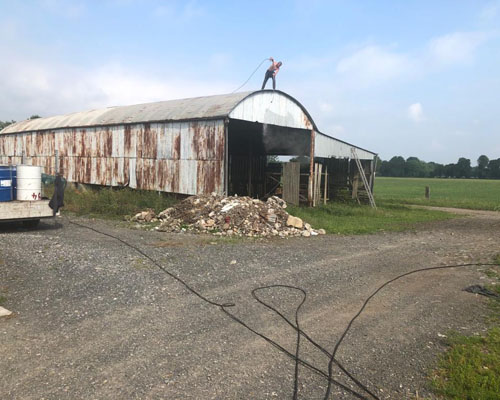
x,y
175,177
306,121
127,141
197,140
88,170
177,147
311,170
126,171
74,142
83,146
107,143
150,142
210,149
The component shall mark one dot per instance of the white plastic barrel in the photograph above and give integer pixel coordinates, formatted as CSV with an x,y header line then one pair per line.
x,y
29,182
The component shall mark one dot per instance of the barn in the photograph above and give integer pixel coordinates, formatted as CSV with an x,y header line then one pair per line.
x,y
201,145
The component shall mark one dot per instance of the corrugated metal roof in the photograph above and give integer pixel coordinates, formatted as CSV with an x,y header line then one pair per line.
x,y
327,146
172,110
265,106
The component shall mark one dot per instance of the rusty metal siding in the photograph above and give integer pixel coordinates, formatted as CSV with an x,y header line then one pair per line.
x,y
185,157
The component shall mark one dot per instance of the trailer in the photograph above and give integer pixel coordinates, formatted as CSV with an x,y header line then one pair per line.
x,y
21,195
28,212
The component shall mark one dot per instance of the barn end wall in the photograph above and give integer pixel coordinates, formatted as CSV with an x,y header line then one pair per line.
x,y
177,157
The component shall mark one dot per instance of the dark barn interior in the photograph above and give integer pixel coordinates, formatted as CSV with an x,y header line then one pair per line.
x,y
252,172
250,144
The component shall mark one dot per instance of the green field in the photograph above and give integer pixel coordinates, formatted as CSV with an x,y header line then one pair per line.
x,y
478,194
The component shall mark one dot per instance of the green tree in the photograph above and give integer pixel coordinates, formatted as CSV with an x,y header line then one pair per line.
x,y
384,169
3,124
494,168
396,166
378,164
464,168
482,166
450,170
415,167
435,170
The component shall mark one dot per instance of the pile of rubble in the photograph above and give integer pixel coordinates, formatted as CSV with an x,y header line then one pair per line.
x,y
227,216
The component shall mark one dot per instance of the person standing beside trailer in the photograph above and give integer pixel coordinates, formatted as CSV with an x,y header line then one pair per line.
x,y
271,72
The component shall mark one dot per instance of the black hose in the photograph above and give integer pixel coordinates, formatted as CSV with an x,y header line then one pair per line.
x,y
252,74
298,361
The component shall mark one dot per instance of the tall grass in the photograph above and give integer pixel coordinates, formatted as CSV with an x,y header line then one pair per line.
x,y
111,202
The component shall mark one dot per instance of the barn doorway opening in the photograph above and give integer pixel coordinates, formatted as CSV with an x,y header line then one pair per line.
x,y
256,153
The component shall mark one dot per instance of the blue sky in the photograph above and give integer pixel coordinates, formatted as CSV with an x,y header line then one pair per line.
x,y
411,78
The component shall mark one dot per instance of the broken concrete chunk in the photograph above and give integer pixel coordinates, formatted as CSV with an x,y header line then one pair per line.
x,y
228,216
4,312
296,222
210,223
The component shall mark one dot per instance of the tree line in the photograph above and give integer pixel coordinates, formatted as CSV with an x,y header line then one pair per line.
x,y
3,124
413,167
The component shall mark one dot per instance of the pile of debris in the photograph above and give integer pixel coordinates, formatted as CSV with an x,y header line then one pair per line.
x,y
227,216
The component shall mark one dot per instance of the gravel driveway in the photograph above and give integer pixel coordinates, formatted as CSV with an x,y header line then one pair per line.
x,y
93,319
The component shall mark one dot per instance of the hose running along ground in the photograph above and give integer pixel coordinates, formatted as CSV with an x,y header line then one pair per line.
x,y
365,393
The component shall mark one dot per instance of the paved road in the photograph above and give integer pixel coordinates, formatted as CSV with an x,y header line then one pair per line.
x,y
95,320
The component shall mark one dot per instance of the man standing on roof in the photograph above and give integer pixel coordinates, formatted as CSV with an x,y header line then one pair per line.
x,y
271,72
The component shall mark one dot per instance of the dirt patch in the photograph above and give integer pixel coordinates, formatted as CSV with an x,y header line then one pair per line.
x,y
89,323
463,211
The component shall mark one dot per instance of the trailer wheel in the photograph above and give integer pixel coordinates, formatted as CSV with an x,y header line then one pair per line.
x,y
31,223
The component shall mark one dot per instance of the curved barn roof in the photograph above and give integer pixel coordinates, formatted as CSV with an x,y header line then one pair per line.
x,y
266,106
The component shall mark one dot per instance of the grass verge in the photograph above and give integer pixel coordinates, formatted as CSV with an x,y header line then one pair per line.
x,y
470,368
112,203
347,219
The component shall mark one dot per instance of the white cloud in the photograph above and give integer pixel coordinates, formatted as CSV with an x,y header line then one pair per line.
x,y
193,10
374,64
490,11
416,112
189,11
325,107
67,9
436,145
337,130
51,88
457,47
220,61
165,10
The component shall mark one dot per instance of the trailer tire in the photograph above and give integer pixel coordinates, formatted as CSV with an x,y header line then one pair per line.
x,y
31,223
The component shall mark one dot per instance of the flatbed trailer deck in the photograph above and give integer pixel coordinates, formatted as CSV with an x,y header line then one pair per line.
x,y
29,212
